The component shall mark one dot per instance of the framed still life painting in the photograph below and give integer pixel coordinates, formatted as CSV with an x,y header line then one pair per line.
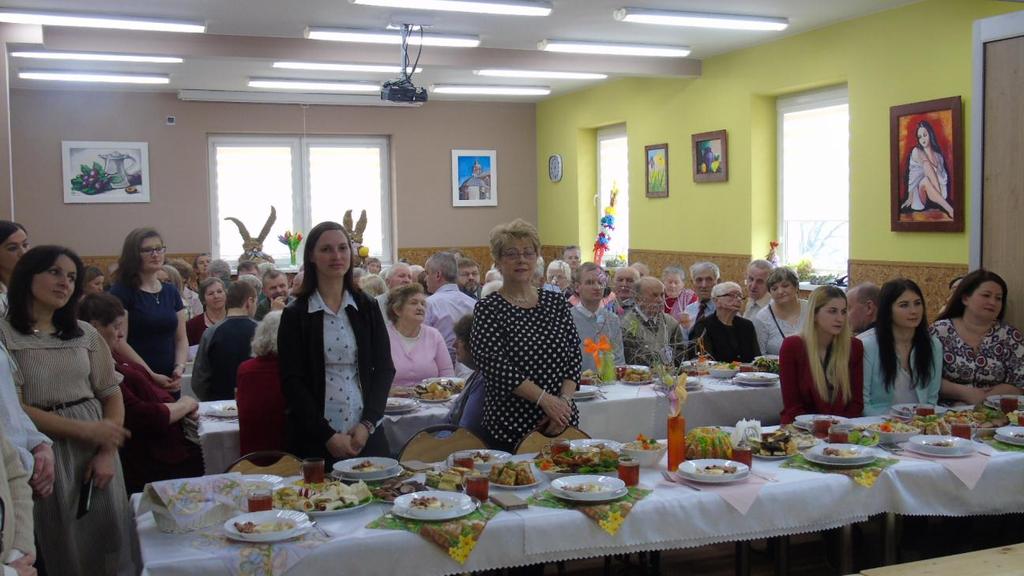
x,y
927,166
710,157
105,172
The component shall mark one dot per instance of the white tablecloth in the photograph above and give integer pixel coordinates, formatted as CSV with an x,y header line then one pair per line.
x,y
672,517
219,440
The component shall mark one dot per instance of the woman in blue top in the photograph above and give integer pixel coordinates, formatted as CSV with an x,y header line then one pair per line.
x,y
902,362
156,316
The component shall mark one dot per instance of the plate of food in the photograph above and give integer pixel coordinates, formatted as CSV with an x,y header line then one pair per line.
x,y
261,481
860,435
588,488
325,499
449,382
760,379
634,374
451,479
595,444
590,460
513,475
777,445
368,468
806,421
433,505
647,451
483,459
724,370
993,401
1011,435
221,409
934,425
586,392
910,410
893,431
766,363
388,490
939,445
438,389
841,455
985,420
714,471
401,405
267,526
590,378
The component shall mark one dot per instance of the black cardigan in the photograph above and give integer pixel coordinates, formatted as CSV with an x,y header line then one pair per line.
x,y
300,343
736,343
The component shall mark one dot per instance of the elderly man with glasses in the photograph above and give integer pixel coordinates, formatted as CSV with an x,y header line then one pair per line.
x,y
649,336
725,335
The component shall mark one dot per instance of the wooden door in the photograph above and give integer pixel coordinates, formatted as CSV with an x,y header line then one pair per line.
x,y
1002,233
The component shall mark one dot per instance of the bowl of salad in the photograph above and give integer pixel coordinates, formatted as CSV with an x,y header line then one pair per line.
x,y
647,451
725,370
893,431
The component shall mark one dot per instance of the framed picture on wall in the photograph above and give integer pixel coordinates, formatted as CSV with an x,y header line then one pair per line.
x,y
656,170
105,172
474,178
710,157
926,146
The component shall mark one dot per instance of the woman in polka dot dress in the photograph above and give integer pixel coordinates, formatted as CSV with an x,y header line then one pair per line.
x,y
525,343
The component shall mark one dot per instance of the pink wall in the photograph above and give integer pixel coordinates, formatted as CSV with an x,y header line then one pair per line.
x,y
421,143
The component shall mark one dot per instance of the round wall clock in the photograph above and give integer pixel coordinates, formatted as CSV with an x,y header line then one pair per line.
x,y
555,167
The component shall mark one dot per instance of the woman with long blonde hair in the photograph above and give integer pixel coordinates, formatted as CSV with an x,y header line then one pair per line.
x,y
822,368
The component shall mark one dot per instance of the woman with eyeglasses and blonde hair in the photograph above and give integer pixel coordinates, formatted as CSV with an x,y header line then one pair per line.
x,y
822,368
156,315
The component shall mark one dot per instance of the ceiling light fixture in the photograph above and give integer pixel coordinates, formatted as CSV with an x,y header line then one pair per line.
x,y
94,57
250,96
307,85
502,73
376,37
474,90
115,23
502,7
575,47
334,67
106,77
700,20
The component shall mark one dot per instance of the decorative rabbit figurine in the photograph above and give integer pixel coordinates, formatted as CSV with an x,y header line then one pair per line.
x,y
253,247
356,235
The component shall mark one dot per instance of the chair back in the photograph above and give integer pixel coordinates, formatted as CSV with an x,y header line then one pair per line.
x,y
267,462
435,443
534,441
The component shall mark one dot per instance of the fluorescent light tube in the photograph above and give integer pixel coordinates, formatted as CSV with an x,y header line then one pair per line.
x,y
700,20
376,37
320,85
334,67
469,89
93,57
109,77
502,7
113,23
501,73
575,47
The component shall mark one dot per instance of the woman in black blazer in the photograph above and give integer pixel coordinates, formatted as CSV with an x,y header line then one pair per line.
x,y
335,356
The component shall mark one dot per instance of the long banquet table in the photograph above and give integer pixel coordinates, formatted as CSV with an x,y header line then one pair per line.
x,y
623,412
672,517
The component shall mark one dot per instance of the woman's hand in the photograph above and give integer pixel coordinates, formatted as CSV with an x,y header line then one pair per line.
x,y
973,394
106,434
340,446
359,435
102,468
556,409
42,471
24,565
166,382
176,374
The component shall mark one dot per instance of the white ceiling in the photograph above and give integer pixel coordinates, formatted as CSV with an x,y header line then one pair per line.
x,y
570,19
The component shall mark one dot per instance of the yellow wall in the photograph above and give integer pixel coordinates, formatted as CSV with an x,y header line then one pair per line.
x,y
918,52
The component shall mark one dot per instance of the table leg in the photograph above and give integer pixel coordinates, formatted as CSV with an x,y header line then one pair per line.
x,y
781,555
846,549
743,558
889,537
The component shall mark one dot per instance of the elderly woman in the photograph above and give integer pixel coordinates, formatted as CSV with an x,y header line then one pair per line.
x,y
727,336
261,404
982,354
783,317
158,448
467,410
418,351
373,285
13,244
559,276
214,297
677,295
526,345
593,320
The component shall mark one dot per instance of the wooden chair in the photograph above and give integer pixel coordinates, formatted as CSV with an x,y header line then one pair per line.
x,y
267,462
534,441
435,443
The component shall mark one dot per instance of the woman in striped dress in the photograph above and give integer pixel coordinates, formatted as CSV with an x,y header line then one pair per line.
x,y
65,376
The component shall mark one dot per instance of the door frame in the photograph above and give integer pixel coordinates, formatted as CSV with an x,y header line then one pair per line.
x,y
985,30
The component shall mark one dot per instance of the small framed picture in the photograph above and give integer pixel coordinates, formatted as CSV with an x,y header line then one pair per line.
x,y
105,172
474,178
656,170
710,157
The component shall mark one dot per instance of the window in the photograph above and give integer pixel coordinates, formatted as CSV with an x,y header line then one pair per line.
x,y
613,171
814,180
307,180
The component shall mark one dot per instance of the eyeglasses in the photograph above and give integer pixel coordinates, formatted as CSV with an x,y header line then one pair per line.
x,y
732,295
153,251
515,254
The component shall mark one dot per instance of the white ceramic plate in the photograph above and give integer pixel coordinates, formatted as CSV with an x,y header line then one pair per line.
x,y
452,505
693,470
401,405
1006,434
604,488
389,467
585,392
907,410
587,442
221,409
495,457
265,481
437,401
993,401
863,455
806,421
927,444
756,378
298,521
723,373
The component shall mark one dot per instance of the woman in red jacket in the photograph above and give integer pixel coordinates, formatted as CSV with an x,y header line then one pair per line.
x,y
822,368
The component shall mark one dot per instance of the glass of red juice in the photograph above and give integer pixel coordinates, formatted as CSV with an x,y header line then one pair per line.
x,y
1009,403
839,434
924,409
629,471
821,424
477,486
260,499
464,460
313,470
743,454
961,430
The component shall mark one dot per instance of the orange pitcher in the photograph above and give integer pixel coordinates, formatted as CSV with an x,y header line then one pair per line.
x,y
676,441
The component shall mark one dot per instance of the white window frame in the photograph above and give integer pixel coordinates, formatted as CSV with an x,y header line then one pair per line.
x,y
301,216
610,133
833,96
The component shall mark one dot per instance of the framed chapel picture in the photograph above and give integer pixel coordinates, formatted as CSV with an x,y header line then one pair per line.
x,y
474,178
710,157
105,172
656,170
926,146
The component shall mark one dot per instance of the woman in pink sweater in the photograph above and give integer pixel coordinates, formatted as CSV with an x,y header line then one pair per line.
x,y
418,351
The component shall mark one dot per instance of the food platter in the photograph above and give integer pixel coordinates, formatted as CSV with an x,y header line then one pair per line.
x,y
325,499
483,459
635,375
367,468
522,470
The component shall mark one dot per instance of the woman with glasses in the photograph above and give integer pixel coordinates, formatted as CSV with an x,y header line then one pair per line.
x,y
725,335
525,343
156,316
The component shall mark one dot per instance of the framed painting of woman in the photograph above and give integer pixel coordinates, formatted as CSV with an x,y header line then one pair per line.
x,y
927,166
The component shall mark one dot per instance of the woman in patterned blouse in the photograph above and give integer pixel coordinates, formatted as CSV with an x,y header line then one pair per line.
x,y
526,345
981,354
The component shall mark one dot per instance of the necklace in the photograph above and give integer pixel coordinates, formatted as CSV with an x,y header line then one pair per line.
x,y
155,295
518,300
